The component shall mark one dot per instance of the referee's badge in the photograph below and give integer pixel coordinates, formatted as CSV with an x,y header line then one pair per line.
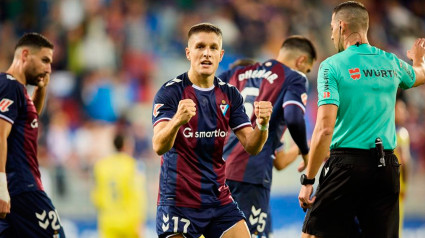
x,y
224,107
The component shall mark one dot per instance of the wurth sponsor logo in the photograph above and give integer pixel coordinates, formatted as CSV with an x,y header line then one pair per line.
x,y
188,133
326,94
355,73
5,104
385,73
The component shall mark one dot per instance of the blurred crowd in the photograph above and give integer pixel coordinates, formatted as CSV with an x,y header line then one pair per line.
x,y
112,55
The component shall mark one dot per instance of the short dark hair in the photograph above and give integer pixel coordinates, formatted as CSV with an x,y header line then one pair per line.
x,y
300,43
242,62
354,13
119,142
35,40
204,27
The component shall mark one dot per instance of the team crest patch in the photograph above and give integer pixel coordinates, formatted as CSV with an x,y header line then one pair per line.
x,y
5,104
156,108
224,107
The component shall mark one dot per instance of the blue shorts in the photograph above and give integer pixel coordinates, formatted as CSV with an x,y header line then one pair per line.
x,y
32,214
253,200
193,222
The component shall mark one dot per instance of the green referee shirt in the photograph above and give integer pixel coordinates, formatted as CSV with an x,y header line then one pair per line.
x,y
362,81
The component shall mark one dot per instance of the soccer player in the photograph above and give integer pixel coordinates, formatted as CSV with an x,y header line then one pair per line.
x,y
24,206
355,119
119,193
281,81
191,117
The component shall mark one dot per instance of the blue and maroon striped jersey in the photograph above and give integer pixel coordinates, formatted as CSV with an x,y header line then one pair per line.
x,y
193,170
286,89
17,108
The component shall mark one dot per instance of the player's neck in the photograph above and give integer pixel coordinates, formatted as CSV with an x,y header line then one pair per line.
x,y
201,80
18,74
355,40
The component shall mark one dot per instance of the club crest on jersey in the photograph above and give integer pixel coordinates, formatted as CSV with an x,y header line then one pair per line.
x,y
156,108
5,104
224,107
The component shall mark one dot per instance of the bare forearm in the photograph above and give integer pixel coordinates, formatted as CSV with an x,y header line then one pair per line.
x,y
3,156
285,158
320,143
255,141
38,99
164,136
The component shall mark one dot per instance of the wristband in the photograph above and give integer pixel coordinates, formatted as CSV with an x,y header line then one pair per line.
x,y
4,193
261,127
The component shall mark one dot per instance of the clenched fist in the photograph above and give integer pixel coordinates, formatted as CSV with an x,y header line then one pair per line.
x,y
263,111
185,111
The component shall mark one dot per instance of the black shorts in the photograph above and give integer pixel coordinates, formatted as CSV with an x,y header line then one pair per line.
x,y
352,186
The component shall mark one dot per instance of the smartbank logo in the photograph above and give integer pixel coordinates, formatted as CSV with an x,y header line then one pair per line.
x,y
187,132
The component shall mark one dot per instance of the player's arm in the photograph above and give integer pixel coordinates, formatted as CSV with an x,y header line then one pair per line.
x,y
253,139
417,54
5,128
320,142
284,158
165,132
40,94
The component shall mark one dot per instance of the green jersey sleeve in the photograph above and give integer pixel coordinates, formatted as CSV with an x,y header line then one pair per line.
x,y
406,74
327,85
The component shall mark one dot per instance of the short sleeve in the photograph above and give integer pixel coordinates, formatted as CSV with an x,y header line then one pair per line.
x,y
10,99
297,92
406,74
238,116
327,85
164,105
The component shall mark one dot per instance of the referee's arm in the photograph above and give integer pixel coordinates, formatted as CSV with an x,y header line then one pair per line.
x,y
320,142
417,54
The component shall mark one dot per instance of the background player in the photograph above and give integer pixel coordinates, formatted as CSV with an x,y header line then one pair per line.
x,y
402,152
282,82
191,117
119,194
32,214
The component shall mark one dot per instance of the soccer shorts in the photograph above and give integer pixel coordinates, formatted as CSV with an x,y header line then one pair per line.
x,y
32,214
253,200
352,185
192,222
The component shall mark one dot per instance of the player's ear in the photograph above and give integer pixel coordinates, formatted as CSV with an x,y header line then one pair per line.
x,y
300,62
187,53
221,55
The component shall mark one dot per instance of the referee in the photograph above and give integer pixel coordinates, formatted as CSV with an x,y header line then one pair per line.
x,y
357,92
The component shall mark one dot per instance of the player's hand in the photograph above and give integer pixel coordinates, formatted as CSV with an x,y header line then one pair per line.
x,y
304,196
44,81
417,52
185,111
303,163
4,196
263,111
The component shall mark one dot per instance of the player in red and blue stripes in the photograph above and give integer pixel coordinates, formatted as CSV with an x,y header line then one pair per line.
x,y
24,206
192,115
281,81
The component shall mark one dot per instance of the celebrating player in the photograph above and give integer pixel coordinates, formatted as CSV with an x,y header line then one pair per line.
x,y
191,117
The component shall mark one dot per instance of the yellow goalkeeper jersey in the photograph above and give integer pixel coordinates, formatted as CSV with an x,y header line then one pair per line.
x,y
119,194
